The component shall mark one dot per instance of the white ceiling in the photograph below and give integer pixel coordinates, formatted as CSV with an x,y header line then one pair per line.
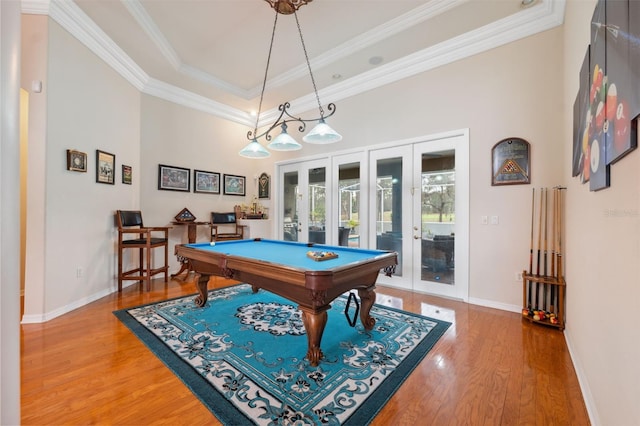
x,y
211,54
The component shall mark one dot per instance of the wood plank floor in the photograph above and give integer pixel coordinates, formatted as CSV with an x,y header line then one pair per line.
x,y
490,368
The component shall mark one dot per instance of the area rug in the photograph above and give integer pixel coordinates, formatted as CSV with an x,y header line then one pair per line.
x,y
243,355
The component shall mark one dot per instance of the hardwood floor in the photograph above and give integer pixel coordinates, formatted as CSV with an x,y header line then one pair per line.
x,y
490,368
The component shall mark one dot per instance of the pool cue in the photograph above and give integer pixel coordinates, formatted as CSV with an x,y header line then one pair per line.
x,y
554,252
560,225
546,232
554,225
533,208
539,246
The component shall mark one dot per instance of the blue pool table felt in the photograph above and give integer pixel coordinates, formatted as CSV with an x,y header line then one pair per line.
x,y
287,253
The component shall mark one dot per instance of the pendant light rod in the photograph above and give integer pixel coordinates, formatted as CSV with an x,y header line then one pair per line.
x,y
306,57
321,133
264,81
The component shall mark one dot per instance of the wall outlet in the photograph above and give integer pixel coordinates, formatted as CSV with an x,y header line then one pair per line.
x,y
518,276
78,272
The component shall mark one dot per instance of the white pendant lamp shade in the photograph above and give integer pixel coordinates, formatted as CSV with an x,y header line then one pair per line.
x,y
284,142
254,150
322,134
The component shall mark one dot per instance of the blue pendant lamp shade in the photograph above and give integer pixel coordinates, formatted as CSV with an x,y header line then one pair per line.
x,y
254,150
284,142
322,133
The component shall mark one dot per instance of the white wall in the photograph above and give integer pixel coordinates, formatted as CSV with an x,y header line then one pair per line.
x,y
9,212
177,136
34,68
89,107
602,253
506,92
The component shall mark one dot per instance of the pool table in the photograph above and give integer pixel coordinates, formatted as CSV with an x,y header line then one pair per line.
x,y
285,268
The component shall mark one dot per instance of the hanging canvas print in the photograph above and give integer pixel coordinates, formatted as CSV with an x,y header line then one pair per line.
x,y
580,129
620,82
608,105
598,126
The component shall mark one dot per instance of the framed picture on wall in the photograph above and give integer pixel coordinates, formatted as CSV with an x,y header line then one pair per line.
x,y
234,185
127,174
511,162
264,186
105,167
206,182
173,178
76,161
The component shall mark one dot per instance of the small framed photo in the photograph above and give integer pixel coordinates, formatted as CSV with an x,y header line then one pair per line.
x,y
264,186
127,173
76,161
105,167
206,182
234,185
172,178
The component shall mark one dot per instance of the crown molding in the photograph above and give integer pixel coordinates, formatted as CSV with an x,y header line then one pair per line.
x,y
401,23
388,29
548,14
520,25
35,7
79,25
189,99
148,25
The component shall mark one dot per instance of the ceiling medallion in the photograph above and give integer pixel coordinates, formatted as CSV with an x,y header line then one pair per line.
x,y
287,7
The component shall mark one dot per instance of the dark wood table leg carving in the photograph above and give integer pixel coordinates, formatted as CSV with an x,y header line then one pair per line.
x,y
202,282
314,323
184,266
367,299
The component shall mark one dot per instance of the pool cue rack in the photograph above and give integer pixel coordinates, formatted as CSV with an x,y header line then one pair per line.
x,y
544,288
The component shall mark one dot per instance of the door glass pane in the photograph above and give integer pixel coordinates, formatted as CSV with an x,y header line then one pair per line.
x,y
290,198
389,207
438,216
317,205
349,202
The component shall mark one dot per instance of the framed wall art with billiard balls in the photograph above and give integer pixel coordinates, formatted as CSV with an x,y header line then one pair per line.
x,y
608,103
511,162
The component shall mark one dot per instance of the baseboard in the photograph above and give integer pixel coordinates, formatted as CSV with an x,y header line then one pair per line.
x,y
47,316
592,411
495,305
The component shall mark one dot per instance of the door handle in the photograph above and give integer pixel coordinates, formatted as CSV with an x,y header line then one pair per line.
x,y
416,237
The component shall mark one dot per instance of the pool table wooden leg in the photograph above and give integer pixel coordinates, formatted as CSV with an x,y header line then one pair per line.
x,y
314,323
367,299
202,282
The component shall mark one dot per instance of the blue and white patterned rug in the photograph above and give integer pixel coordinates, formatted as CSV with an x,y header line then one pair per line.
x,y
243,354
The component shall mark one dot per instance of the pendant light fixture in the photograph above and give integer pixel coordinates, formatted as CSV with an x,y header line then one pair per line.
x,y
322,133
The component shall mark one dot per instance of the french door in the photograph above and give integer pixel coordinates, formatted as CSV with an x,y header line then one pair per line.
x,y
412,198
421,210
350,176
304,204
